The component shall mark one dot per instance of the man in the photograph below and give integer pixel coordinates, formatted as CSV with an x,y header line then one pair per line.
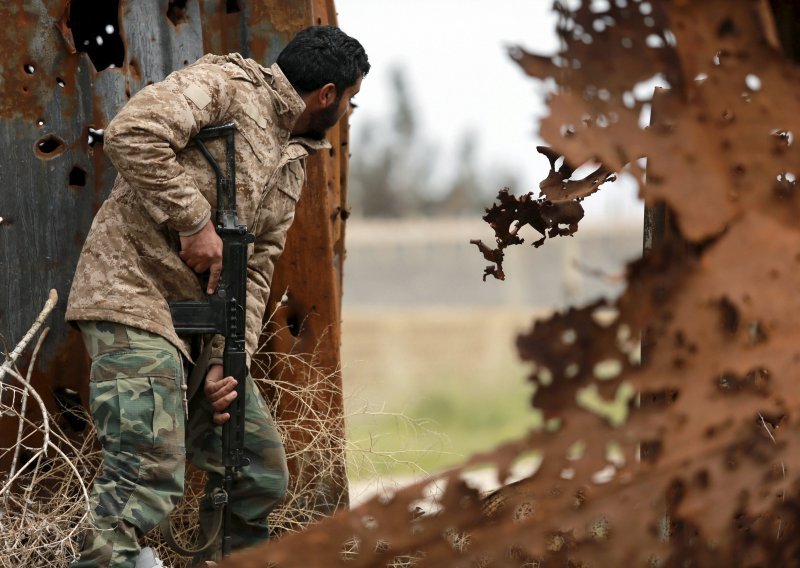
x,y
149,242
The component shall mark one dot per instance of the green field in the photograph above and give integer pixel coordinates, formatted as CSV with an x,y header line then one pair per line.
x,y
426,389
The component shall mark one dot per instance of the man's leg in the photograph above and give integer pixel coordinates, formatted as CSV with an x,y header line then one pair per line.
x,y
260,486
136,405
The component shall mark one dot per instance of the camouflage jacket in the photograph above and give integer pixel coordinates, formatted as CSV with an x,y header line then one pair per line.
x,y
129,268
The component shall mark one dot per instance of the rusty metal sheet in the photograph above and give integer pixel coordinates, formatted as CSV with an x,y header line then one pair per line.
x,y
307,291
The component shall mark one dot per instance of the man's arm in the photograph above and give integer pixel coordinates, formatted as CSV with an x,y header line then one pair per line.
x,y
142,142
144,137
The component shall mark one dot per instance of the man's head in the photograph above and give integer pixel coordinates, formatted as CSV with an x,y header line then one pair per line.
x,y
325,66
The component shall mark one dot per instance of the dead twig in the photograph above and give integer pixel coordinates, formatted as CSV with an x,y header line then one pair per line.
x,y
52,300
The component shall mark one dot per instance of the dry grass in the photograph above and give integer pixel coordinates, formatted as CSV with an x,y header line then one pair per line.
x,y
313,436
44,498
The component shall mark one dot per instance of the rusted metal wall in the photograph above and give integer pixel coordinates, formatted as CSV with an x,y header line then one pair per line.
x,y
68,67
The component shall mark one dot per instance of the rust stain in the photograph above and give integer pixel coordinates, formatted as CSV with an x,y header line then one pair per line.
x,y
285,17
24,90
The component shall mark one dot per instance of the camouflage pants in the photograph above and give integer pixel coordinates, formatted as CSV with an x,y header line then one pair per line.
x,y
137,407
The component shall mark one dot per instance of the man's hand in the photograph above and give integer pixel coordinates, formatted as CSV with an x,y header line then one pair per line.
x,y
203,251
219,392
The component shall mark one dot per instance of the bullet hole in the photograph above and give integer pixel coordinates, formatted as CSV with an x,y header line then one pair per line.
x,y
29,69
95,136
293,324
654,41
127,92
60,82
232,6
89,22
70,408
628,99
649,451
658,399
726,28
701,479
756,381
50,146
753,82
177,12
729,316
77,177
728,116
40,123
785,184
783,137
567,130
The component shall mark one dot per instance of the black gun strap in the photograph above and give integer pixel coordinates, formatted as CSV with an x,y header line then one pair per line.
x,y
212,539
200,368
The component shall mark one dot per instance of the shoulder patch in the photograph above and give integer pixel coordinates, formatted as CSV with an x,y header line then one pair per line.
x,y
251,111
197,95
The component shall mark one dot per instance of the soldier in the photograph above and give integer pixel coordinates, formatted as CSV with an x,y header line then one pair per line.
x,y
148,243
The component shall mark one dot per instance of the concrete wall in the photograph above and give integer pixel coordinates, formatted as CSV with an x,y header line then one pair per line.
x,y
430,263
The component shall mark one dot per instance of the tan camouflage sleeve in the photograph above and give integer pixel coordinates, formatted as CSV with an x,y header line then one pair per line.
x,y
142,141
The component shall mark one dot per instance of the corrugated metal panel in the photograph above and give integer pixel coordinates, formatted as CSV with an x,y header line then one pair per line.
x,y
55,177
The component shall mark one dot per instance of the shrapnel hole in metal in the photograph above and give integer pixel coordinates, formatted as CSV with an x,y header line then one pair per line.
x,y
95,31
77,177
50,146
95,136
177,12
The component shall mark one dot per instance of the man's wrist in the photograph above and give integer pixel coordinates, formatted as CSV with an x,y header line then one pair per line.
x,y
197,228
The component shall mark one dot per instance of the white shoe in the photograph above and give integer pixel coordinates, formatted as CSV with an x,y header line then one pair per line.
x,y
148,559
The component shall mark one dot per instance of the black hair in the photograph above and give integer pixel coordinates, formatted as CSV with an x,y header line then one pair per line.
x,y
323,54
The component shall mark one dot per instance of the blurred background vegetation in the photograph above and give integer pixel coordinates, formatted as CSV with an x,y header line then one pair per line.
x,y
445,120
392,170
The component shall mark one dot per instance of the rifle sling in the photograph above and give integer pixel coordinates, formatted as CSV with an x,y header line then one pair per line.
x,y
200,368
216,526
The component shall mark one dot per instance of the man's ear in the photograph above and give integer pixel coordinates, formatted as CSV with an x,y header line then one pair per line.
x,y
327,95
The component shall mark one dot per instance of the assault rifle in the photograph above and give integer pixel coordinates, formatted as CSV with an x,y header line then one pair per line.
x,y
224,313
